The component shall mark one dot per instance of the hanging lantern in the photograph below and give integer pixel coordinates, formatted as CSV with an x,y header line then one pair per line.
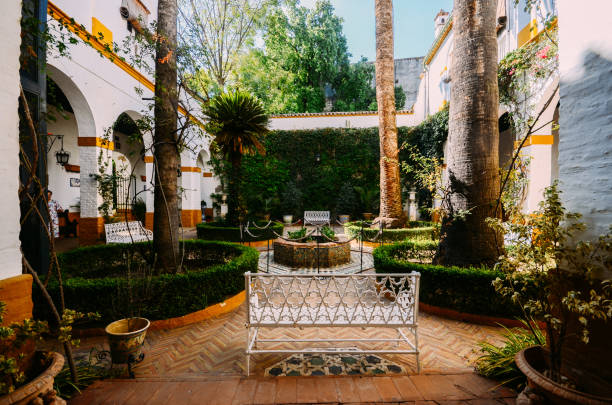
x,y
62,157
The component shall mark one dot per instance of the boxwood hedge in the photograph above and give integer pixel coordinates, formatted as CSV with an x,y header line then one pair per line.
x,y
213,272
221,231
468,290
416,230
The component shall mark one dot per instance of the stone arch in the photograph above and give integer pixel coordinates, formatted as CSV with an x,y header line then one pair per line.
x,y
506,139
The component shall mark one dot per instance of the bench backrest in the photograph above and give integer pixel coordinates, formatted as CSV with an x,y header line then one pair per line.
x,y
316,217
332,299
118,232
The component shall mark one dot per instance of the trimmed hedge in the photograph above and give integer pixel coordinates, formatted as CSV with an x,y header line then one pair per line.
x,y
220,231
467,290
214,271
417,230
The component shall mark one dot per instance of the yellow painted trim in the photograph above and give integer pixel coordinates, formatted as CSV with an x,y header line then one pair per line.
x,y
207,174
536,140
190,169
101,32
443,70
528,32
106,50
439,41
537,37
149,159
95,141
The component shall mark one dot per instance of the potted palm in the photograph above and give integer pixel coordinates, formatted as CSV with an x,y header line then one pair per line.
x,y
369,200
346,203
557,281
238,123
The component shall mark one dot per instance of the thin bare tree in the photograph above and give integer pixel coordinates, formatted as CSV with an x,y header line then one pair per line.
x,y
473,138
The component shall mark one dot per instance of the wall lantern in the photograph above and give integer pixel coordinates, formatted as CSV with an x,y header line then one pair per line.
x,y
62,156
318,158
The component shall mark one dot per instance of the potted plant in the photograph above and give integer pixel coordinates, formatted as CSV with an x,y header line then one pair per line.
x,y
346,202
291,200
369,200
555,280
126,336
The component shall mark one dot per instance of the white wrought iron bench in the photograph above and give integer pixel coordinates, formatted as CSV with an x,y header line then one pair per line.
x,y
316,218
127,232
332,300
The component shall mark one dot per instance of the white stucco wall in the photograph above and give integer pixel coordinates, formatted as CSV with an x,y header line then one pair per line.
x,y
585,133
10,255
335,120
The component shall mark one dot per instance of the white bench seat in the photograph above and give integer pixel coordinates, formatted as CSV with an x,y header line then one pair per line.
x,y
127,232
332,300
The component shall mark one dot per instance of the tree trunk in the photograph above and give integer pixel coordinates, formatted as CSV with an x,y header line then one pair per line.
x,y
233,198
167,160
391,213
473,137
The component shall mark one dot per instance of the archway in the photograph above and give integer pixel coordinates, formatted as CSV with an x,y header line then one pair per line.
x,y
207,184
507,137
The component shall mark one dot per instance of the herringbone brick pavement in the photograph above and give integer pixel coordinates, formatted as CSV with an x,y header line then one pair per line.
x,y
216,346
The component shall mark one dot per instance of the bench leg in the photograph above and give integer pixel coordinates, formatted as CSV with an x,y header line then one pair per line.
x,y
248,364
416,346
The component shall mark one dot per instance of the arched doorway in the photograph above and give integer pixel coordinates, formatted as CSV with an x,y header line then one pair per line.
x,y
207,184
506,140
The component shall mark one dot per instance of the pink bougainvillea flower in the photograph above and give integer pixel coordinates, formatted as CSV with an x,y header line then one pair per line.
x,y
543,53
511,72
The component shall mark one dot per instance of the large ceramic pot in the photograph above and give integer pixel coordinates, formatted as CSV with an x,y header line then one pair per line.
x,y
126,338
541,389
344,218
39,390
288,219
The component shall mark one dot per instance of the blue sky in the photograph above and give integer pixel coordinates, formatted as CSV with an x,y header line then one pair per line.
x,y
412,24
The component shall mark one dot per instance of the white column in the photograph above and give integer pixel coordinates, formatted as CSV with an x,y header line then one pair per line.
x,y
539,171
10,254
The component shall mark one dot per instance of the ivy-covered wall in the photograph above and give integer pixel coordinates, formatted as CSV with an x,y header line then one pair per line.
x,y
319,169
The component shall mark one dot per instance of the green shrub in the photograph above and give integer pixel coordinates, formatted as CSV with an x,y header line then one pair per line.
x,y
299,234
417,230
221,231
467,290
214,271
497,362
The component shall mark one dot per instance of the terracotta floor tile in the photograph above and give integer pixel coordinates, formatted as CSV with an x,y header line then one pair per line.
x,y
266,391
226,389
245,392
366,389
202,392
326,389
121,392
406,388
286,390
480,387
306,391
347,391
387,390
439,387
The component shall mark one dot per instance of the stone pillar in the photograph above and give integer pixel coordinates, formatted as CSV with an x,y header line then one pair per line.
x,y
149,195
191,213
412,206
539,149
91,225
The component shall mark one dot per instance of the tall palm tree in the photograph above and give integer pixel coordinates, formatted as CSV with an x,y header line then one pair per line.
x,y
238,122
166,221
473,138
390,189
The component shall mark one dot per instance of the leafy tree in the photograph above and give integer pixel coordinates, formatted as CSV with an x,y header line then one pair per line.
x,y
238,122
400,99
305,51
214,33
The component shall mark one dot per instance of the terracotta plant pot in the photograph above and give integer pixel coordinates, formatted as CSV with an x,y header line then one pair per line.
x,y
288,219
367,215
126,338
532,362
266,217
344,218
40,388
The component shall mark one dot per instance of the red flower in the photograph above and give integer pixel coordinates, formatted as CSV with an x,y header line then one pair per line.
x,y
511,72
542,53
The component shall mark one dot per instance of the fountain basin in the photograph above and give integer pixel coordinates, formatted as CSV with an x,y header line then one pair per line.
x,y
309,255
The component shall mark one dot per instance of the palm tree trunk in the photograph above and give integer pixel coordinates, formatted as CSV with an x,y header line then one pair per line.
x,y
391,213
165,224
473,138
233,200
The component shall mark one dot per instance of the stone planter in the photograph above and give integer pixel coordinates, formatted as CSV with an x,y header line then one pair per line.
x,y
541,389
126,338
288,219
39,390
307,254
